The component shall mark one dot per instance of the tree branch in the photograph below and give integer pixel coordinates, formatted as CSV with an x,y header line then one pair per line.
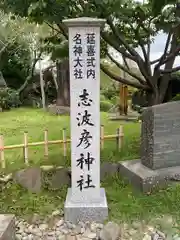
x,y
30,75
167,43
63,29
120,38
166,71
52,27
122,80
141,64
126,63
171,56
155,61
165,51
126,70
116,47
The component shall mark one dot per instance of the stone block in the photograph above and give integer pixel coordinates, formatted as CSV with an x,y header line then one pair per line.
x,y
160,136
7,227
108,169
55,178
146,179
82,211
29,178
58,110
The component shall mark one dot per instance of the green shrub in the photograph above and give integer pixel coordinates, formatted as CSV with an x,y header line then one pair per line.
x,y
115,100
9,98
102,97
110,92
105,106
176,98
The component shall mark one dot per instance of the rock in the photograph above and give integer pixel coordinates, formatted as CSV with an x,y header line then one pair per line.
x,y
52,220
18,236
29,178
147,237
58,110
89,234
62,237
161,234
95,226
108,169
77,230
57,213
7,178
51,233
43,227
70,225
136,225
64,231
111,231
60,223
56,178
34,219
69,237
37,232
132,232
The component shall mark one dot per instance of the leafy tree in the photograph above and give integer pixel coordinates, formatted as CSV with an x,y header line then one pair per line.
x,y
129,25
15,49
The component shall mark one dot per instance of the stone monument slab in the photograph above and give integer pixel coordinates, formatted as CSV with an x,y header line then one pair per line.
x,y
7,227
160,151
160,136
84,59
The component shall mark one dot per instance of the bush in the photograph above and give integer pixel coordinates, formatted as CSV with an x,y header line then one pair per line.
x,y
115,100
105,106
102,97
110,92
137,108
9,98
176,98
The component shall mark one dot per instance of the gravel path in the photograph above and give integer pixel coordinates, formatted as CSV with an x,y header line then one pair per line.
x,y
54,228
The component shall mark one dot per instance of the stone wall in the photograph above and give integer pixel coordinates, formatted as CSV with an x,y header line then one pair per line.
x,y
160,136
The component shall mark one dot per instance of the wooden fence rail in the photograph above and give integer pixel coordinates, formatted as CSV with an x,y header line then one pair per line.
x,y
118,136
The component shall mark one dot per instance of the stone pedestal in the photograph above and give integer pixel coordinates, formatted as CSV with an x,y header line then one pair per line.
x,y
145,179
160,152
7,227
82,211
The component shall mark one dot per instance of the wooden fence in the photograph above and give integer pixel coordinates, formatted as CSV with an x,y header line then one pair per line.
x,y
25,145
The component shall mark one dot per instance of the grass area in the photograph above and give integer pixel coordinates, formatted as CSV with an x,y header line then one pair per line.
x,y
14,123
124,203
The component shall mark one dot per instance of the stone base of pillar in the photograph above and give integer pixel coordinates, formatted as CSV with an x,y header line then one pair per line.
x,y
75,212
7,227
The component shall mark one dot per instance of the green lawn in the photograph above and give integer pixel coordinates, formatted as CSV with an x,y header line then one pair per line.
x,y
14,123
124,203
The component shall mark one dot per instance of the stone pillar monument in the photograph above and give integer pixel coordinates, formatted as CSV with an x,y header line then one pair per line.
x,y
85,200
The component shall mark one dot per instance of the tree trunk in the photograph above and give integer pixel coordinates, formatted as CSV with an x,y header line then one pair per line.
x,y
43,97
63,94
153,97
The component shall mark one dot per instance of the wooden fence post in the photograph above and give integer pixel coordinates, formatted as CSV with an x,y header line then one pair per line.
x,y
102,137
3,164
46,152
26,148
119,138
64,142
